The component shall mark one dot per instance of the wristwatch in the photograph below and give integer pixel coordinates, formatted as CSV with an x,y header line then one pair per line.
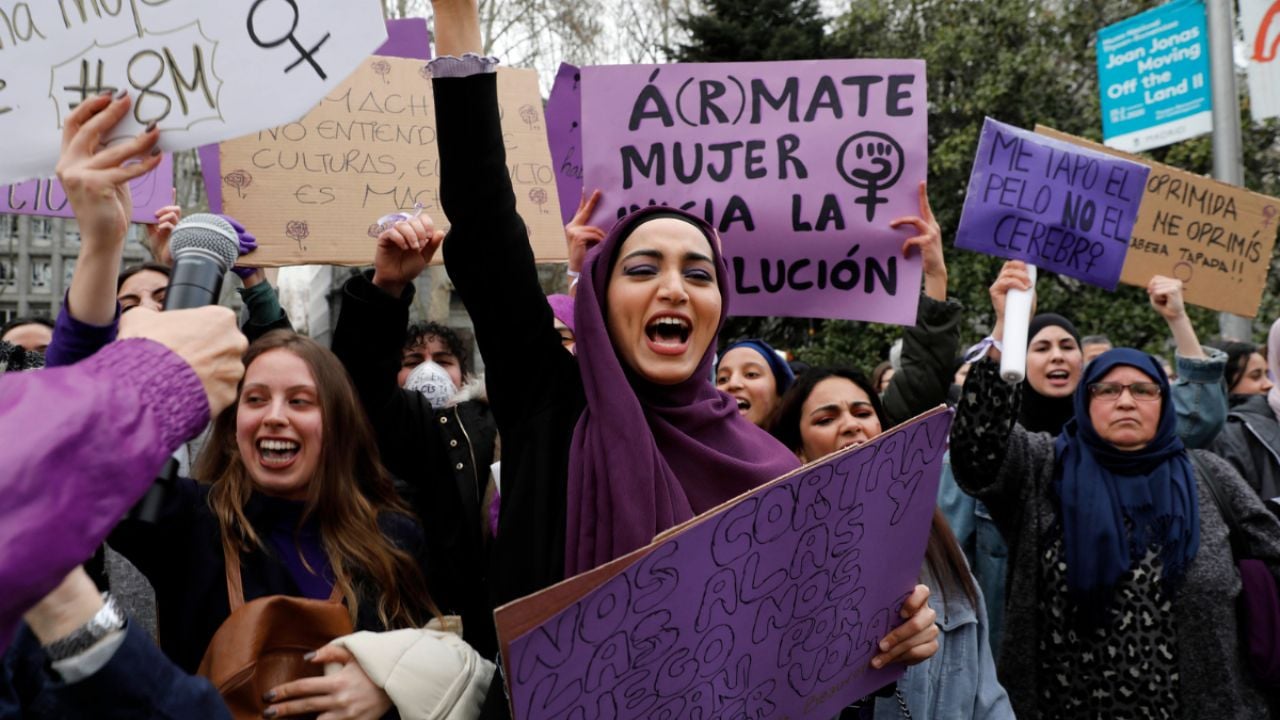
x,y
107,620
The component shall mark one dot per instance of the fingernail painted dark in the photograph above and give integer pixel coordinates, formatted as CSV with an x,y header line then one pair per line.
x,y
269,696
151,126
122,93
155,151
309,656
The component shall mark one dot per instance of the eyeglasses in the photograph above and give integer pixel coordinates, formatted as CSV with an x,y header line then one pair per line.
x,y
1110,392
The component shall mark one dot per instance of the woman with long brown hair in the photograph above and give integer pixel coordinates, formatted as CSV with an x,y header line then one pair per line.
x,y
294,492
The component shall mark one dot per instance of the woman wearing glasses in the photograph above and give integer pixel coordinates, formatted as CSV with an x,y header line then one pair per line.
x,y
1122,588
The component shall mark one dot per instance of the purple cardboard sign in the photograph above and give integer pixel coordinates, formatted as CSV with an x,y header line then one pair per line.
x,y
46,197
770,606
564,136
800,165
406,38
1056,205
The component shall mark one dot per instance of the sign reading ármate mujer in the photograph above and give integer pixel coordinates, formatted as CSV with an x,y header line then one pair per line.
x,y
801,166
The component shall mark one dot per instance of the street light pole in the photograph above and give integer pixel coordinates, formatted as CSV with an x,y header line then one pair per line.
x,y
1228,155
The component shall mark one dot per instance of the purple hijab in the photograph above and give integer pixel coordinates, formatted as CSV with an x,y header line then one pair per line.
x,y
646,457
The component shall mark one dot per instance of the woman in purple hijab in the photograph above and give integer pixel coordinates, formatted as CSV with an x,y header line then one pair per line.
x,y
603,452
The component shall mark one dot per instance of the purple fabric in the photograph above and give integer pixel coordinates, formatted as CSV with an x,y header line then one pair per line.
x,y
248,243
646,457
287,539
562,308
1260,620
79,445
74,340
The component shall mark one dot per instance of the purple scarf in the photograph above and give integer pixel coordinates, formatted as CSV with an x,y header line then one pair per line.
x,y
647,457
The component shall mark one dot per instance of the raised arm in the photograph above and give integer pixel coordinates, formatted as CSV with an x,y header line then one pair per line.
x,y
487,251
1199,393
929,348
96,181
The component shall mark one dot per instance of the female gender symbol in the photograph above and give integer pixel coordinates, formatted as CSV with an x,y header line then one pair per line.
x,y
303,54
1268,212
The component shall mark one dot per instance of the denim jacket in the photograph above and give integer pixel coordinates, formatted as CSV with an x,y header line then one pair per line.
x,y
959,681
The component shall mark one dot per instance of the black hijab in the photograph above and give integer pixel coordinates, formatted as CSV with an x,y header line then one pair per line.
x,y
1039,412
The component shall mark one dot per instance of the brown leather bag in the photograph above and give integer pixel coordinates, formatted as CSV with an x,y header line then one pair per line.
x,y
261,644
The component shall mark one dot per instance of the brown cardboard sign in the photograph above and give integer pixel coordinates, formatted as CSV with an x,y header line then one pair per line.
x,y
313,191
1216,238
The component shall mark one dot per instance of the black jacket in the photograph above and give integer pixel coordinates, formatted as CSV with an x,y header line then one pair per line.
x,y
1250,441
534,385
441,458
181,554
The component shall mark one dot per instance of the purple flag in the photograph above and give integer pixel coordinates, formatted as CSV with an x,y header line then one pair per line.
x,y
406,38
770,606
46,197
1056,205
564,135
800,165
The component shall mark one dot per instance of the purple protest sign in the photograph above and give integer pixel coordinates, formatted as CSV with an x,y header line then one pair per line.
x,y
406,38
1055,205
800,165
46,197
771,605
564,136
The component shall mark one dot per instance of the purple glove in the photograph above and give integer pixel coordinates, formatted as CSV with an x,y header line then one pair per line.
x,y
248,243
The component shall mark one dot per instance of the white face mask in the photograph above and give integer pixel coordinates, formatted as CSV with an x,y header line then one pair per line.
x,y
432,381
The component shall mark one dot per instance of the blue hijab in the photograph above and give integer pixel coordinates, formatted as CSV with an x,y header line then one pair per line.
x,y
1098,487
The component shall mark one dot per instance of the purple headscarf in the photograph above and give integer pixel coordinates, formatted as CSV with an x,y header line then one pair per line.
x,y
562,309
646,457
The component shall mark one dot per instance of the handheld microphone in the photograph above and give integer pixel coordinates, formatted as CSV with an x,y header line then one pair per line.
x,y
1017,321
204,247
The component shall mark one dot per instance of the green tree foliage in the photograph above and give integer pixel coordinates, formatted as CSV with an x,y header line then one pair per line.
x,y
754,30
1023,62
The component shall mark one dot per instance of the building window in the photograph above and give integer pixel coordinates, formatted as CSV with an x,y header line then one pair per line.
x,y
41,275
9,225
68,268
8,271
42,229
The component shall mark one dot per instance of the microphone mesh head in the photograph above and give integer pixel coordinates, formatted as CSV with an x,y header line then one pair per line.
x,y
208,232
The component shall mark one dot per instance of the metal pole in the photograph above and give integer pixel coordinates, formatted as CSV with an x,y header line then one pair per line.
x,y
1228,155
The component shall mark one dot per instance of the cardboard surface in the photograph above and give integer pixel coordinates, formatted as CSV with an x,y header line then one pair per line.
x,y
799,165
46,197
313,191
1216,238
1055,205
202,71
770,605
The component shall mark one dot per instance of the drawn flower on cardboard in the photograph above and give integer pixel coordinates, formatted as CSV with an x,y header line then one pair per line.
x,y
238,179
382,69
297,231
538,196
375,230
529,114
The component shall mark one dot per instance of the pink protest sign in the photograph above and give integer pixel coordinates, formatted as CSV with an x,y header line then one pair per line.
x,y
1058,206
801,166
564,136
46,197
771,605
